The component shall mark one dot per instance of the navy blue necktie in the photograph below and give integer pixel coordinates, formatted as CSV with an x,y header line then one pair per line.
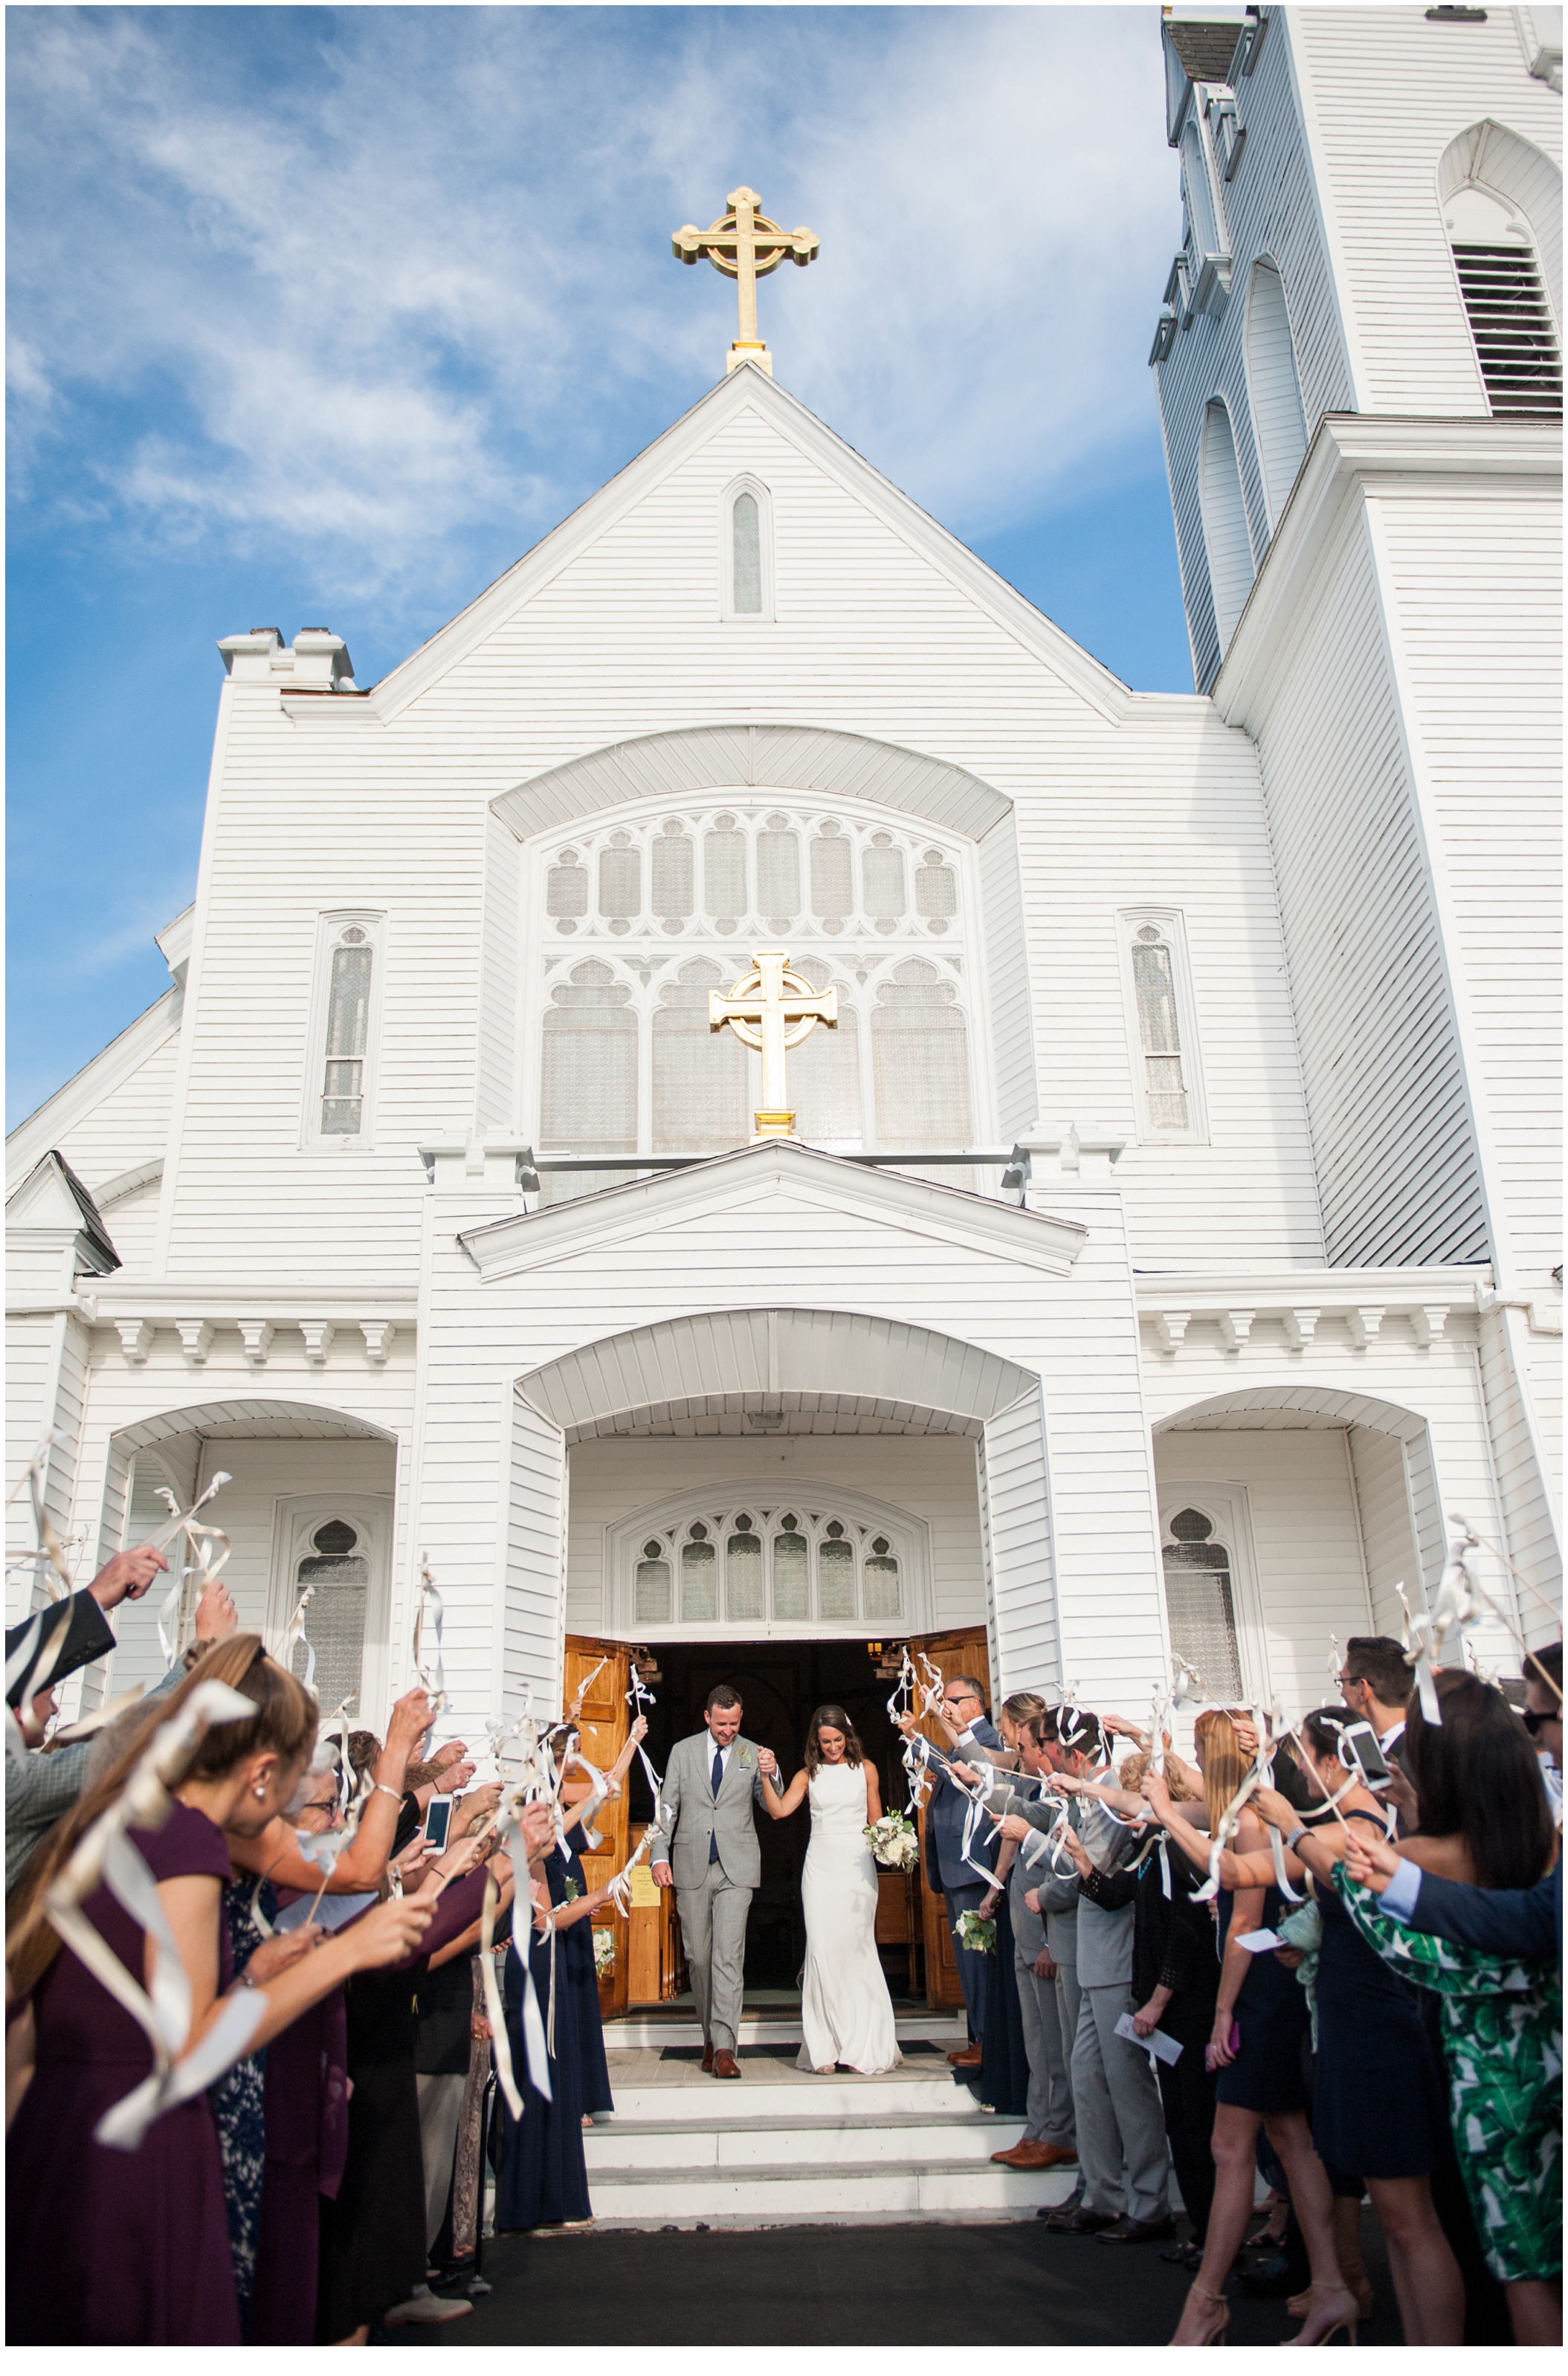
x,y
718,1786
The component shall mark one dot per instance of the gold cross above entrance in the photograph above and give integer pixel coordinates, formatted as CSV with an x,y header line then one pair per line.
x,y
746,247
772,1008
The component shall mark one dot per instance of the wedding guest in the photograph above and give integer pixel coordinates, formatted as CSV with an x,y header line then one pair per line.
x,y
373,2258
1257,2048
543,2175
579,1973
1047,2142
135,2244
1120,2126
1485,1820
1543,1716
46,1783
964,1719
1375,1678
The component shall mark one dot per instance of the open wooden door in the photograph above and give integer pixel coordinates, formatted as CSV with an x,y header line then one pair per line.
x,y
950,1654
606,1720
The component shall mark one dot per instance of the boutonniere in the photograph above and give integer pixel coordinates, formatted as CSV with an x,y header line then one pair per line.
x,y
573,1889
745,1757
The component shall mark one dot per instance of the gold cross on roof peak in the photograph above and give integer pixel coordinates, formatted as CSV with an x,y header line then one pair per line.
x,y
745,245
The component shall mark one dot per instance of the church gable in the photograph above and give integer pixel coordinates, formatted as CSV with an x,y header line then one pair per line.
x,y
750,534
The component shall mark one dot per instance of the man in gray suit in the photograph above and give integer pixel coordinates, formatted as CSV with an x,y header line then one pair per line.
x,y
709,1850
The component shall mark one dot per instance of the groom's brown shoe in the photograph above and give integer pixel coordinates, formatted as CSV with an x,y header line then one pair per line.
x,y
707,2057
725,2066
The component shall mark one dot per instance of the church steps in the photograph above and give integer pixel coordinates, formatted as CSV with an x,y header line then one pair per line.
x,y
621,2147
701,2102
827,2189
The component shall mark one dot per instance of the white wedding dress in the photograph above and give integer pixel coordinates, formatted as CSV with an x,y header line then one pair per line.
x,y
846,2011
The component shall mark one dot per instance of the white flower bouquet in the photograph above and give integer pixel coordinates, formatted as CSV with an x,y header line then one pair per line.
x,y
603,1954
894,1842
975,1932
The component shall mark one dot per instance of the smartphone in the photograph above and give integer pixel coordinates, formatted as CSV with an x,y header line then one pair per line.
x,y
1358,1748
437,1825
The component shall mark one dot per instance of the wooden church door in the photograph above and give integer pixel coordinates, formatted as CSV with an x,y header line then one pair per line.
x,y
606,1721
950,1654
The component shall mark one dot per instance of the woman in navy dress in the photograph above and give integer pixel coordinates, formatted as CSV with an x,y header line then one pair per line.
x,y
1257,2049
111,2247
543,2178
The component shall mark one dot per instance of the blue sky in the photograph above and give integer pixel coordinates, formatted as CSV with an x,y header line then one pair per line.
x,y
322,317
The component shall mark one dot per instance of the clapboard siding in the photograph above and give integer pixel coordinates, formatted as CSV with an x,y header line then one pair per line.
x,y
500,974
535,1559
1025,1628
1474,580
1396,1165
1389,92
114,1112
1270,212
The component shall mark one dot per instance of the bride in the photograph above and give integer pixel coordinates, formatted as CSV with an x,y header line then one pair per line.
x,y
846,2011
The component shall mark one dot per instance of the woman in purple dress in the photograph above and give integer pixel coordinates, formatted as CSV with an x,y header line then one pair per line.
x,y
105,2246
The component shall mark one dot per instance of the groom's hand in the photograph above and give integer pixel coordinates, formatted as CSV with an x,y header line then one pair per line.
x,y
768,1764
663,1876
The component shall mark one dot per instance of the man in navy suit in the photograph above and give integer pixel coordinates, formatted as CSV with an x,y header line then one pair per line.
x,y
963,1714
1527,1923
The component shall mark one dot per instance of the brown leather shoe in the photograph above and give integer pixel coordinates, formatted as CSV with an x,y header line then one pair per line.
x,y
707,2057
969,2058
1033,2153
1058,2157
725,2066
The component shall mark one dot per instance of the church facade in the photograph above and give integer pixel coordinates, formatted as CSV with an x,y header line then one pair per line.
x,y
1166,1246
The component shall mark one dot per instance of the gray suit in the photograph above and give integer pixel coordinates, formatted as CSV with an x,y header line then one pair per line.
x,y
1049,2008
1122,2144
714,1894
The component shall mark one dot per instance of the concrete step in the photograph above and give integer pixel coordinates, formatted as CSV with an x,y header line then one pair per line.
x,y
683,2145
783,2028
738,2102
837,2189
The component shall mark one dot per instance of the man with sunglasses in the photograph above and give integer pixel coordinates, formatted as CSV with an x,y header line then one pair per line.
x,y
1542,1713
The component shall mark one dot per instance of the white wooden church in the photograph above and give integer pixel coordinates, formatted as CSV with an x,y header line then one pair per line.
x,y
1167,1240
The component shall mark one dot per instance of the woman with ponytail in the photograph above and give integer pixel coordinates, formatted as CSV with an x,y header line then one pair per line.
x,y
108,2246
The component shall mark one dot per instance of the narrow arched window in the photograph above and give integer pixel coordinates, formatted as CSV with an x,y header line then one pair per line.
x,y
336,1573
746,552
1274,389
1162,1032
1225,524
746,529
339,1083
1505,304
1200,1604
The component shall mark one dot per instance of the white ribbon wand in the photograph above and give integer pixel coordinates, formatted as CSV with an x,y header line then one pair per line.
x,y
105,1855
294,1633
428,1598
49,1557
183,1521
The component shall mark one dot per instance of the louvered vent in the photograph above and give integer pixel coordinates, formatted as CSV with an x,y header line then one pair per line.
x,y
1512,327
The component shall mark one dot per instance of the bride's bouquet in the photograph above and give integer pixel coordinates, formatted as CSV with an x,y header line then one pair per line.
x,y
895,1842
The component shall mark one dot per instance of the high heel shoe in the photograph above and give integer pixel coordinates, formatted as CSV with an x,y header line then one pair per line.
x,y
1348,2318
1361,2290
1203,2295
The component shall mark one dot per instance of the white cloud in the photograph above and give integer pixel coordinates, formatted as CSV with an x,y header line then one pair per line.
x,y
362,299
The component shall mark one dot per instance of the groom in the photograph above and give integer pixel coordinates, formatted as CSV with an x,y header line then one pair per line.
x,y
713,1781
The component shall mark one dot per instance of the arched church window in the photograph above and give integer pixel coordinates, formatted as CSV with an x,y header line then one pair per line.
x,y
792,1576
1200,1604
835,1569
1164,1034
566,888
620,880
652,1601
1224,508
1273,387
724,873
699,1576
920,1061
743,1572
882,1580
746,529
824,1072
348,1034
1505,304
589,1099
674,873
778,873
337,1573
700,1077
832,882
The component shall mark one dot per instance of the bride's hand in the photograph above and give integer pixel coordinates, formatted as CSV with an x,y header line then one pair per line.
x,y
989,1904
